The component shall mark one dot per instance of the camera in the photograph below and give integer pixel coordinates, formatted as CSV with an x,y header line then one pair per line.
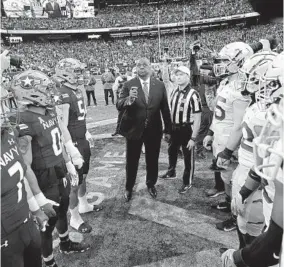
x,y
196,47
16,61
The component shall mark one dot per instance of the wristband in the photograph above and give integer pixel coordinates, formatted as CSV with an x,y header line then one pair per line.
x,y
228,152
33,205
71,149
210,132
253,175
193,139
245,193
41,199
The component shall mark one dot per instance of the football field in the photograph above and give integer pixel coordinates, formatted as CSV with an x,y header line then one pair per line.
x,y
173,230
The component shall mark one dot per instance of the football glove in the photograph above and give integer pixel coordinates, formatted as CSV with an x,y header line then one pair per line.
x,y
237,205
74,154
214,166
41,219
227,258
90,139
74,179
207,142
224,158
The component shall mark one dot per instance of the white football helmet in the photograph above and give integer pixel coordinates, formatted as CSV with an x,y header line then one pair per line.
x,y
231,58
271,84
69,70
32,87
270,143
253,70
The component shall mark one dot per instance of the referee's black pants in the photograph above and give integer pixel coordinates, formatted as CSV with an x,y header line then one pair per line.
x,y
179,138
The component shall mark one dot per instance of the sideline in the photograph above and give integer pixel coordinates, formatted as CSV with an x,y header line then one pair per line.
x,y
101,123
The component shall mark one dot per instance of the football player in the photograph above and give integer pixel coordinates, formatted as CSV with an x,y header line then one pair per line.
x,y
20,237
42,150
76,137
269,155
250,221
271,85
228,115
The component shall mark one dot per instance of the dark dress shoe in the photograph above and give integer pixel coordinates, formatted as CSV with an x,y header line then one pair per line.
x,y
127,195
152,191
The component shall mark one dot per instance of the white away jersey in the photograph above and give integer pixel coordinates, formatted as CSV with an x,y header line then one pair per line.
x,y
223,119
253,121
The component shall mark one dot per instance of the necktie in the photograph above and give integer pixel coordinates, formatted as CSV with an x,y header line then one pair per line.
x,y
145,90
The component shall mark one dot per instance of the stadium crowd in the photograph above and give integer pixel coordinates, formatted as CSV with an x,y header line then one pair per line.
x,y
117,51
136,15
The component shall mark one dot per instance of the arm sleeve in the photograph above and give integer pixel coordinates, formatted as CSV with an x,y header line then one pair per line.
x,y
24,128
195,103
263,251
65,99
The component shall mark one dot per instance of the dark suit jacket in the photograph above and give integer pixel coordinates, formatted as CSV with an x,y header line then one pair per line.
x,y
56,11
132,124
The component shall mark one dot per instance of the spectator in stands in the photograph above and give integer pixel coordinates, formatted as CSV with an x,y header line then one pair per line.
x,y
108,80
89,83
53,9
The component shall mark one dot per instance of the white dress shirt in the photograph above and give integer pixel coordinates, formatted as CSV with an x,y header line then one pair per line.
x,y
147,82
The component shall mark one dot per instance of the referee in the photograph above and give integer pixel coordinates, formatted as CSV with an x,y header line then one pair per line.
x,y
186,110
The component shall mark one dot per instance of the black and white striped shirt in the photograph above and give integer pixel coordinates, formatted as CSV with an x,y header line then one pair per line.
x,y
183,104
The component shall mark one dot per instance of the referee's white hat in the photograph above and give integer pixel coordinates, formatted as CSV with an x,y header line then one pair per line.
x,y
183,69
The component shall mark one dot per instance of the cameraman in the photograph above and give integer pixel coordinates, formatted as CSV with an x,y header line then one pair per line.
x,y
194,47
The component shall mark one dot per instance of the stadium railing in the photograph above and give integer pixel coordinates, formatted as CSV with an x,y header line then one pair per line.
x,y
194,23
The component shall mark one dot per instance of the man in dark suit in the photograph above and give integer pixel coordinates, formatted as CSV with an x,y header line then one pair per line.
x,y
53,9
142,101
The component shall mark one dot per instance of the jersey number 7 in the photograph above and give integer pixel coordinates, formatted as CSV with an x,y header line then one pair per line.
x,y
17,167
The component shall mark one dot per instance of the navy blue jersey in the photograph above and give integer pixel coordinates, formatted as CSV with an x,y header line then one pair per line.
x,y
14,205
77,112
46,138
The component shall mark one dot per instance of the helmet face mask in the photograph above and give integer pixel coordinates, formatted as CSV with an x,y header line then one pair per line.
x,y
269,144
271,84
251,73
34,88
231,58
70,70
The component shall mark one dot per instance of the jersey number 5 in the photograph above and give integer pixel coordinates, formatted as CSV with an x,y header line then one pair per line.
x,y
17,167
219,111
82,110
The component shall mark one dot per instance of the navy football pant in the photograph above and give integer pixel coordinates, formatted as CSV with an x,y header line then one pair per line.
x,y
85,150
57,191
22,248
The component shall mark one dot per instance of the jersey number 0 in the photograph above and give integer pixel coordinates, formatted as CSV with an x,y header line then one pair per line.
x,y
56,142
